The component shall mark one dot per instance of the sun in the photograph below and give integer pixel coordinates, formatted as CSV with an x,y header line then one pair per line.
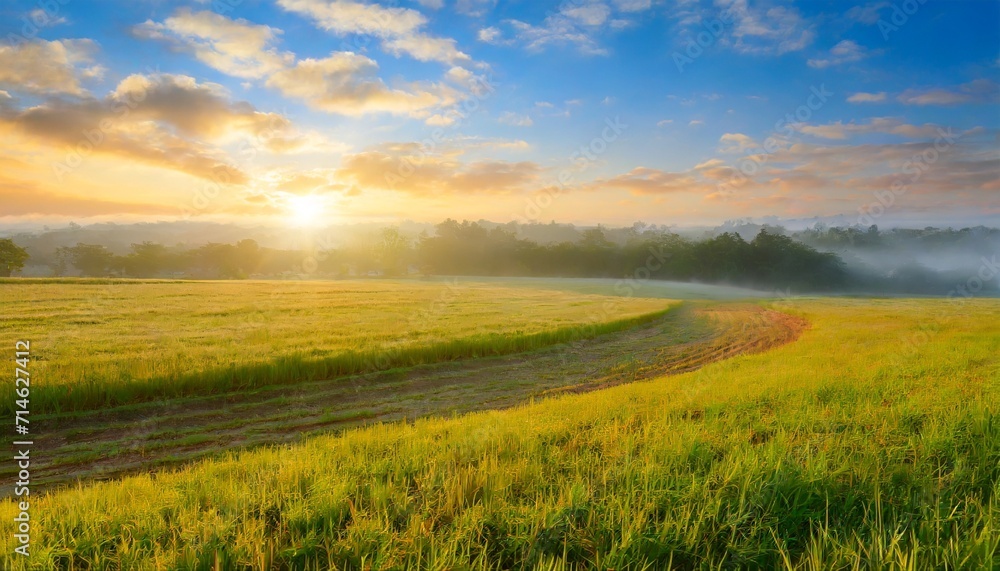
x,y
305,210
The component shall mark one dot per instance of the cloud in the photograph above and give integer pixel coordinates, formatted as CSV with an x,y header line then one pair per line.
x,y
398,28
556,30
644,180
48,67
846,51
977,91
200,110
61,124
884,125
575,24
492,35
439,120
347,83
695,122
664,122
862,97
26,198
766,30
406,168
474,8
422,47
736,143
41,18
633,5
589,14
867,14
303,182
165,121
234,47
511,118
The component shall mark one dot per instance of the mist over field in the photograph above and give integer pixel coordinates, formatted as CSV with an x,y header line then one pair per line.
x,y
927,261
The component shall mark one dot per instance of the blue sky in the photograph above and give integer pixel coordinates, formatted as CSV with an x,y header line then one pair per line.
x,y
676,112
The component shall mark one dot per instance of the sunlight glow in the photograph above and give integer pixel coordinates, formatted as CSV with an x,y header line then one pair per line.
x,y
305,210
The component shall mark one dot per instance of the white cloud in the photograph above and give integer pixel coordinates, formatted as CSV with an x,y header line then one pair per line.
x,y
633,5
736,143
764,30
398,28
234,47
884,125
511,118
862,97
591,14
664,122
474,8
846,51
576,24
977,91
490,35
867,14
347,83
48,67
696,122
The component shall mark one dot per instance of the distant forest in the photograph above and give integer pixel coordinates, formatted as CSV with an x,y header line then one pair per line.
x,y
817,259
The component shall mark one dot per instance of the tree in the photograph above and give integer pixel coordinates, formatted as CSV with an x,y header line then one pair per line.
x,y
91,259
391,251
12,257
146,260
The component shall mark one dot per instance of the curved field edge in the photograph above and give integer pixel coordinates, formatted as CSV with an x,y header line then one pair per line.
x,y
871,442
113,442
97,390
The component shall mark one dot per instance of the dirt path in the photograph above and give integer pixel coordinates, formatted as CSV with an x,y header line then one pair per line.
x,y
109,443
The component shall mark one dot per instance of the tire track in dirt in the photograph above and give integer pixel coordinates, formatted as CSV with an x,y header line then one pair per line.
x,y
151,436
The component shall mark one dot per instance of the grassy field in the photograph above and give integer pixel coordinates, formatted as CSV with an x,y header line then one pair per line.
x,y
871,442
141,437
105,343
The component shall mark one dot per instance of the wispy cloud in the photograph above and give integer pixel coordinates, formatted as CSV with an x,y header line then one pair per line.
x,y
846,51
977,91
862,97
234,47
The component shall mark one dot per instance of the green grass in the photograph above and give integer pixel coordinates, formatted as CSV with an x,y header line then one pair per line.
x,y
872,442
110,342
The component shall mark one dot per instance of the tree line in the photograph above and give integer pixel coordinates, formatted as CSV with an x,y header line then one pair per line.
x,y
765,257
468,248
